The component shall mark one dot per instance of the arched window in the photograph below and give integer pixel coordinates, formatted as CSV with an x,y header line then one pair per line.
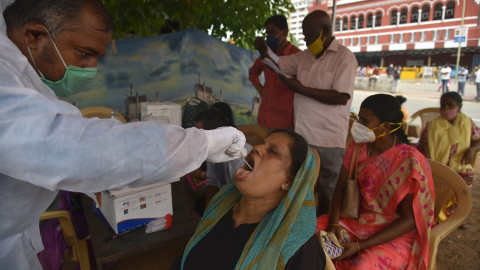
x,y
352,22
378,19
361,19
393,17
345,23
437,11
450,11
337,24
403,16
369,20
414,17
425,13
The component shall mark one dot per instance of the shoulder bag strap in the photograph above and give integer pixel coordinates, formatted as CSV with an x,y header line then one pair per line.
x,y
353,165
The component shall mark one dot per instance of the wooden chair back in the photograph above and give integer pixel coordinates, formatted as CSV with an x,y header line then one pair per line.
x,y
253,133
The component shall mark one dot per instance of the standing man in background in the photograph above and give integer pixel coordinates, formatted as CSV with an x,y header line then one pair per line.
x,y
397,71
276,108
322,78
445,75
462,80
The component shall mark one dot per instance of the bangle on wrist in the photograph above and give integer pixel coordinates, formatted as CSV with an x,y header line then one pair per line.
x,y
358,245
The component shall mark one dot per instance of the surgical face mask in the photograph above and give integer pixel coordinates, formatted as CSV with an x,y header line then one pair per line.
x,y
273,42
449,114
74,80
317,46
362,134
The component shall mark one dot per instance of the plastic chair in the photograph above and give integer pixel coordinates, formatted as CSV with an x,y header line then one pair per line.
x,y
78,250
101,112
447,183
253,133
425,115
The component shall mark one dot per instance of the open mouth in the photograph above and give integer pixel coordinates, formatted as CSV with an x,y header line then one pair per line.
x,y
249,164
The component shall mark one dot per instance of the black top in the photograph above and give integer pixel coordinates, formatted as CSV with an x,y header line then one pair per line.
x,y
222,247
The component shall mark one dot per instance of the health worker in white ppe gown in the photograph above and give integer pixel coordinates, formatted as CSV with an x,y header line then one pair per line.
x,y
50,48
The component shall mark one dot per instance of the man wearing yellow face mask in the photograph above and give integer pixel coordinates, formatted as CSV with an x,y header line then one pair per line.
x,y
322,78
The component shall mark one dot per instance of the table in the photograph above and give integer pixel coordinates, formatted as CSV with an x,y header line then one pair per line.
x,y
106,249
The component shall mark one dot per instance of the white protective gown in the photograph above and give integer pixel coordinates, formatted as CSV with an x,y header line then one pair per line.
x,y
46,145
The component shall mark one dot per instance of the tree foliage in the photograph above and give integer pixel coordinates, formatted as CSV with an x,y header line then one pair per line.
x,y
241,18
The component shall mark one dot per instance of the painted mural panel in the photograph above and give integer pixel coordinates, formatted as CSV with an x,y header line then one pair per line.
x,y
172,68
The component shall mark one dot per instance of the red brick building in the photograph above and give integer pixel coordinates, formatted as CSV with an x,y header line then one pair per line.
x,y
406,32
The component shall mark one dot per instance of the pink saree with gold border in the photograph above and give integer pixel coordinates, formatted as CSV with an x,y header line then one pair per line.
x,y
384,181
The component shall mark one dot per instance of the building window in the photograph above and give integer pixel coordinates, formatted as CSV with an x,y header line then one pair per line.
x,y
351,41
423,35
378,19
401,37
425,13
403,16
368,40
376,39
413,36
437,11
450,11
361,18
446,34
393,17
357,42
434,35
369,20
337,24
352,22
345,23
392,38
414,17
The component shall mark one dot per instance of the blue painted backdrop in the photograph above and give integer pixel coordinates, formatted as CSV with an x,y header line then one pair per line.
x,y
170,64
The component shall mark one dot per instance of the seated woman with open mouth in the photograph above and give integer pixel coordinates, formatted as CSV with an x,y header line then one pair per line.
x,y
265,218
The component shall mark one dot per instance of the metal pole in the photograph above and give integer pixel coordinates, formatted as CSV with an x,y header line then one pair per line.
x,y
460,44
334,9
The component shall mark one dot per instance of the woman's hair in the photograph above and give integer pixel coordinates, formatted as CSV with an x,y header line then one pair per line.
x,y
387,109
298,149
401,99
212,119
455,97
226,110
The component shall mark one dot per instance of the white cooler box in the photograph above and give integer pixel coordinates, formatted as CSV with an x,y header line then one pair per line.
x,y
129,208
163,112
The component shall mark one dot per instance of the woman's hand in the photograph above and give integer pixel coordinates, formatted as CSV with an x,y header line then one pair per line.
x,y
469,156
336,229
351,248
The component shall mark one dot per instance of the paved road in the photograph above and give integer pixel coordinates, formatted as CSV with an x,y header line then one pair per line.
x,y
424,95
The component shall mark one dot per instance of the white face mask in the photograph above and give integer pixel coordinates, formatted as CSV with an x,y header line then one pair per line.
x,y
361,133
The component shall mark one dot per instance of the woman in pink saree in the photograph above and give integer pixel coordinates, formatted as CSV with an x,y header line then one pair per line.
x,y
397,194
